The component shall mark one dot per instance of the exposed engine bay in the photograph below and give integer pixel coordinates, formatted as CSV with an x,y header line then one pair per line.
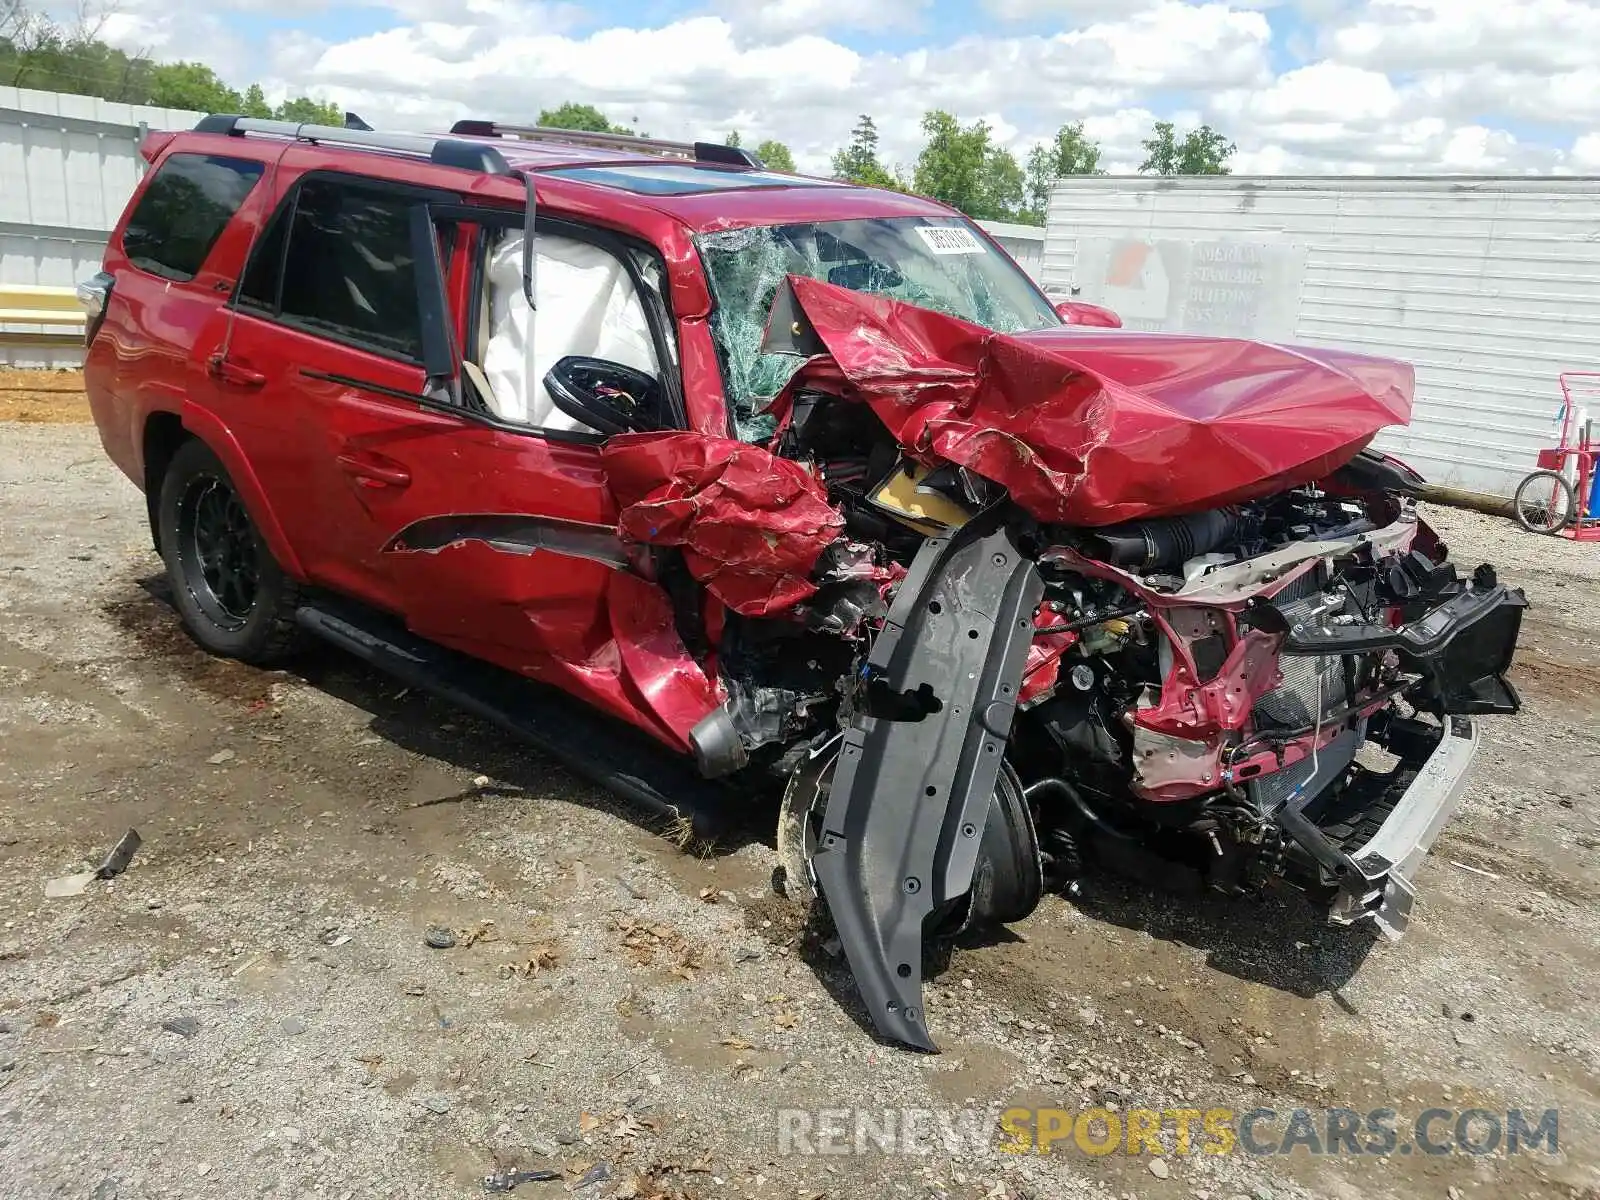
x,y
970,700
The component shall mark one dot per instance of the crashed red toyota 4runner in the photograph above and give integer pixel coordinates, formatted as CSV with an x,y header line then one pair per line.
x,y
810,487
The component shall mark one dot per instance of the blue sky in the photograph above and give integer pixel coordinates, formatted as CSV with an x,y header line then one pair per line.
x,y
1340,86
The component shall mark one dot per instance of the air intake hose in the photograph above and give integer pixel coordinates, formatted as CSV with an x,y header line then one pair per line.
x,y
1146,545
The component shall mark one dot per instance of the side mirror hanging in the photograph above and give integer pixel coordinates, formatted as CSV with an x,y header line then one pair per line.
x,y
606,396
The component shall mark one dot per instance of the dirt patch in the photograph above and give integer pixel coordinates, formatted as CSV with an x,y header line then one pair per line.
x,y
43,397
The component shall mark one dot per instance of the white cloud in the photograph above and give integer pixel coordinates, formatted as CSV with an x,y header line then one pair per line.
x,y
777,18
1031,10
1586,152
705,75
1075,10
1372,85
1325,91
1515,35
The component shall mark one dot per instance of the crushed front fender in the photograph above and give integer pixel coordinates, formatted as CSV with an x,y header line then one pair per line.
x,y
919,764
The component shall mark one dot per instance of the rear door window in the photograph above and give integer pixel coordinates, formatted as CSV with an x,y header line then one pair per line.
x,y
348,270
184,210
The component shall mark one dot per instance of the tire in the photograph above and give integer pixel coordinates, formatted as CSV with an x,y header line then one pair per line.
x,y
1543,502
232,595
1007,878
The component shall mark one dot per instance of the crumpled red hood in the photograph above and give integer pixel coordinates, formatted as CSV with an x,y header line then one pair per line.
x,y
1092,427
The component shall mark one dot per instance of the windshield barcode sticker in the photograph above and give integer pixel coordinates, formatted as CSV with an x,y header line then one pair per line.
x,y
950,239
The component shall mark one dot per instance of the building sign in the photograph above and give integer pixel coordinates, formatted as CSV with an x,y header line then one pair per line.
x,y
1230,288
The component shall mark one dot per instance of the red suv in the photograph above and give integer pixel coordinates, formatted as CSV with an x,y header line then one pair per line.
x,y
806,492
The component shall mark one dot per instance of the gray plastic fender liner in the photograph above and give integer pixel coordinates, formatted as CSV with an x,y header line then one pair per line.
x,y
917,767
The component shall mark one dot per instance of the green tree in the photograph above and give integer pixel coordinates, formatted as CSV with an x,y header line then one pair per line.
x,y
858,162
193,86
255,103
733,139
1201,151
962,166
1069,154
583,117
775,154
38,52
305,111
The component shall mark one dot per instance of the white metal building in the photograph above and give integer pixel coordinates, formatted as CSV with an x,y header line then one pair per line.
x,y
67,167
1489,286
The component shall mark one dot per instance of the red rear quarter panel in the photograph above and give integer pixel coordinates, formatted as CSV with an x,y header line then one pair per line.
x,y
149,355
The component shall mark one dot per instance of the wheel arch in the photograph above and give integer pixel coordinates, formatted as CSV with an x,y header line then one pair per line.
x,y
165,432
162,435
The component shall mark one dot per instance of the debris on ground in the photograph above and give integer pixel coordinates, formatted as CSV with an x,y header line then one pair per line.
x,y
116,862
543,956
643,940
439,937
184,1026
66,886
510,1180
598,1173
222,756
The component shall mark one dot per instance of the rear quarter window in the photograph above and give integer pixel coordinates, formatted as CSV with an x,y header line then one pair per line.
x,y
184,210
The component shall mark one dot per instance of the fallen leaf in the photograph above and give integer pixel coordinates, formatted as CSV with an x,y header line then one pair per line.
x,y
785,1019
587,1122
710,895
631,1126
738,1043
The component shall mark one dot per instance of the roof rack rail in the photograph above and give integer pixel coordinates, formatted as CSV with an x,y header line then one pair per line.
x,y
706,152
442,151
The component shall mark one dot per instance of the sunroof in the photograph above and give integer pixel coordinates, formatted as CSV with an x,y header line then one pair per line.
x,y
681,179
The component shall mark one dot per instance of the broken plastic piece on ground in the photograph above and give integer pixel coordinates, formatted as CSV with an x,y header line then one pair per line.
x,y
509,1180
68,885
121,855
598,1173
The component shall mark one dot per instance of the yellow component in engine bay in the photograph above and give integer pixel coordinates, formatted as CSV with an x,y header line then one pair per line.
x,y
902,497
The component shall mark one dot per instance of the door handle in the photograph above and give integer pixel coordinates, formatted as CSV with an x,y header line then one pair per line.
x,y
373,471
227,370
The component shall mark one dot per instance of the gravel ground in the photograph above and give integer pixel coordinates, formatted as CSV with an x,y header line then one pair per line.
x,y
252,1010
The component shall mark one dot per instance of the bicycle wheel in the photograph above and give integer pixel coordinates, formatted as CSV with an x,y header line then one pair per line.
x,y
1544,503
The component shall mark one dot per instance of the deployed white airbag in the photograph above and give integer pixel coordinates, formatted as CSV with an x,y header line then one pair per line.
x,y
587,305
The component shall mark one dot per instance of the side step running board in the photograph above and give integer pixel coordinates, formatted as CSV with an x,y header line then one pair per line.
x,y
590,744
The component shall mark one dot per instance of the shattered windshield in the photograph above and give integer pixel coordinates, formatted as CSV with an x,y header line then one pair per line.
x,y
933,262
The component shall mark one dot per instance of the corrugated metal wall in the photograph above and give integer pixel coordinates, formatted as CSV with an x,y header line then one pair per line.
x,y
1490,287
67,167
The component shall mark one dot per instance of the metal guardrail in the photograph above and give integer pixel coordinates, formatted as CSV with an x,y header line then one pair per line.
x,y
31,304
